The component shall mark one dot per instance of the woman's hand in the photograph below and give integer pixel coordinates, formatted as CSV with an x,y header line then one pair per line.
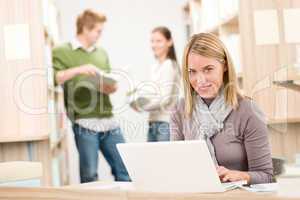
x,y
227,175
134,106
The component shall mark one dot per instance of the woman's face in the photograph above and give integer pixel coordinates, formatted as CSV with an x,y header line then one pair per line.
x,y
205,74
160,45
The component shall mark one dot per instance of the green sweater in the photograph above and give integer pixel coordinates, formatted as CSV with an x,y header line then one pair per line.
x,y
82,100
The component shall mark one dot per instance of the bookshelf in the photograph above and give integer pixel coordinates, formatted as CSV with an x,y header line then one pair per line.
x,y
29,130
271,67
57,116
288,77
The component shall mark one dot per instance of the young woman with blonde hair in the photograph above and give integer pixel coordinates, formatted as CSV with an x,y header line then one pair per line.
x,y
214,110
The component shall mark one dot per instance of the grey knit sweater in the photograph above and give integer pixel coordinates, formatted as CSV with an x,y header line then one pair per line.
x,y
242,144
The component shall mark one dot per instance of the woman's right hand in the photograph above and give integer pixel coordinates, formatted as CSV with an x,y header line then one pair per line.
x,y
226,175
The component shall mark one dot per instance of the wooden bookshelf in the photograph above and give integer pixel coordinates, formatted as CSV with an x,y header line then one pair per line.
x,y
289,84
268,80
231,24
57,117
232,20
15,118
27,138
288,77
25,134
273,121
61,138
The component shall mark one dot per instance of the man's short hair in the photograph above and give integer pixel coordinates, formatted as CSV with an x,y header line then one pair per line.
x,y
89,19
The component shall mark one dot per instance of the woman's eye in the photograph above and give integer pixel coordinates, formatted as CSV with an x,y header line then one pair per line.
x,y
208,70
191,71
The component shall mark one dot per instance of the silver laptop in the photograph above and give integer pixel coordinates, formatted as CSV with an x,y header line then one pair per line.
x,y
181,166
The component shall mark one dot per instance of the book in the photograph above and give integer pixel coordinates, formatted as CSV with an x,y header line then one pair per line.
x,y
139,102
100,78
136,100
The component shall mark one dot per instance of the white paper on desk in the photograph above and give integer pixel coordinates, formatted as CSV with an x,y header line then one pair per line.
x,y
266,187
266,27
16,41
233,185
291,29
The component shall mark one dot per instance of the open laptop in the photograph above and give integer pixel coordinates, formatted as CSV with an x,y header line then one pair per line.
x,y
181,166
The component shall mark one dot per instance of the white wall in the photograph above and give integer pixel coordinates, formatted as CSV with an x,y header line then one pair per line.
x,y
127,39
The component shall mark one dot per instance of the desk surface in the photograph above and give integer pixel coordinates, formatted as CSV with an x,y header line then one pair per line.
x,y
289,189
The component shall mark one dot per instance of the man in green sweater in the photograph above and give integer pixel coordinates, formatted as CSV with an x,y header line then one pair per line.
x,y
88,105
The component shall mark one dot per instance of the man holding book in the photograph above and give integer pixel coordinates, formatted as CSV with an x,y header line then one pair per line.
x,y
88,104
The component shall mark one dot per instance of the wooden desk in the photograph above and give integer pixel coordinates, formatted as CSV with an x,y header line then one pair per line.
x,y
288,189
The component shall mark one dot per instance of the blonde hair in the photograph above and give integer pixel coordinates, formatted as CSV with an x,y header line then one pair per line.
x,y
89,19
209,45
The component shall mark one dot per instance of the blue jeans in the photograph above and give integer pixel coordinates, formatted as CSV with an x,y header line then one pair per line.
x,y
88,143
158,131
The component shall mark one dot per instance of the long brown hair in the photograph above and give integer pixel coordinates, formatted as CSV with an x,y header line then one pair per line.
x,y
168,35
209,45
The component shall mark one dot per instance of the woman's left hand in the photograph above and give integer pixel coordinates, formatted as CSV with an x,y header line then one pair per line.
x,y
134,107
226,175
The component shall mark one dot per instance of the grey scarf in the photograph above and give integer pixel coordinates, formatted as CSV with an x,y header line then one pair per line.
x,y
209,121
